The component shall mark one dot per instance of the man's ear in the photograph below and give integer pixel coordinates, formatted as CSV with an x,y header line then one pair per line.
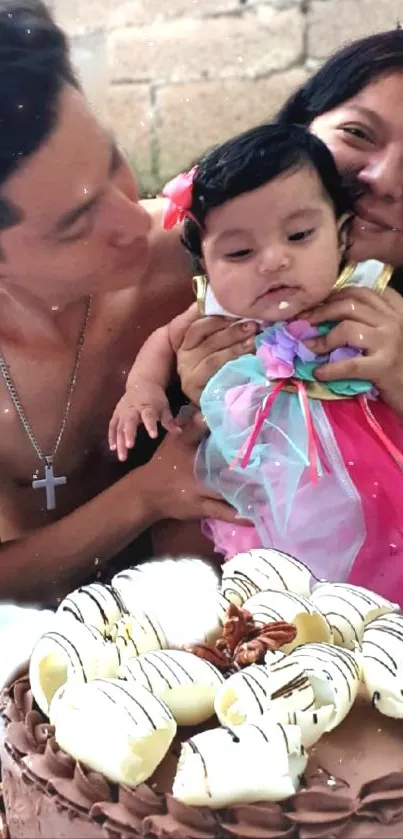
x,y
344,224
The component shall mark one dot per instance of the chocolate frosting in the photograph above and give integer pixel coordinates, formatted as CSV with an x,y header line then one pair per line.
x,y
353,788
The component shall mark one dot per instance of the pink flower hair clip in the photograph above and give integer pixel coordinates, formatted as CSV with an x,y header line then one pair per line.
x,y
179,192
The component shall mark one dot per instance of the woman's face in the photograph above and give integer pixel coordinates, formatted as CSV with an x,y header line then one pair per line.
x,y
365,135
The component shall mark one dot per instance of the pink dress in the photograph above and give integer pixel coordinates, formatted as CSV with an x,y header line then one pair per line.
x,y
317,470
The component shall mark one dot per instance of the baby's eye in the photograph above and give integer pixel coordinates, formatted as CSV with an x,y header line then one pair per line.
x,y
301,235
241,254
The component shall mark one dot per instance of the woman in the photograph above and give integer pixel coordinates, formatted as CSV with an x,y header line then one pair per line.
x,y
353,103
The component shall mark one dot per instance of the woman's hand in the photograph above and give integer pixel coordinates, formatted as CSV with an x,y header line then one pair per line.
x,y
208,344
368,322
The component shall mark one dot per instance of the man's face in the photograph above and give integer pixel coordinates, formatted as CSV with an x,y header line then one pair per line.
x,y
82,230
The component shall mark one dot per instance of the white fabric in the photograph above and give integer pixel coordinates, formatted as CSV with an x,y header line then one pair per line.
x,y
365,274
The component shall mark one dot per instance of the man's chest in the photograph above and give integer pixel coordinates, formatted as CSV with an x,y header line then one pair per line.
x,y
55,394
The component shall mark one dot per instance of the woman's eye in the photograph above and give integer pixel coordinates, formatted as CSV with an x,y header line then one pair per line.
x,y
301,235
357,132
241,254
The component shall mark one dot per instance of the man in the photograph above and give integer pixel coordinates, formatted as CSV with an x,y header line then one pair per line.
x,y
85,276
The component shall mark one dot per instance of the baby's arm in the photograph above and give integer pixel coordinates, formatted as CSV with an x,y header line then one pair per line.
x,y
145,397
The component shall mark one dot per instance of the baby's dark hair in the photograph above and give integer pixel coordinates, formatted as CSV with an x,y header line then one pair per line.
x,y
251,160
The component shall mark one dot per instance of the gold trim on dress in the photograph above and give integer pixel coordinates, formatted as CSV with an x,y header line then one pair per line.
x,y
383,279
200,285
315,390
345,276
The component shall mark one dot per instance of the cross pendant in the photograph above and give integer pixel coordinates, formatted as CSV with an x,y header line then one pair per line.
x,y
48,483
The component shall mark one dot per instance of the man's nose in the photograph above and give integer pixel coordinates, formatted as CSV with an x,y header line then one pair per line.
x,y
129,221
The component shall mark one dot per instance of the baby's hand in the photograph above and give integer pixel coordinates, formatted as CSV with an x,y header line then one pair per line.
x,y
145,402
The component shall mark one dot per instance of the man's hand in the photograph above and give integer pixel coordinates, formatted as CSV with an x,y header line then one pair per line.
x,y
171,488
208,344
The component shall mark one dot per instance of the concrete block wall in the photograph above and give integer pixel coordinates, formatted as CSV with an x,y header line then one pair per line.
x,y
173,77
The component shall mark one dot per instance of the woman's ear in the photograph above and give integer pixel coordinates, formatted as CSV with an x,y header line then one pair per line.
x,y
344,225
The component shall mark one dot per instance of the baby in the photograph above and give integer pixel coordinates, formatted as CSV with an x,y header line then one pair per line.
x,y
317,468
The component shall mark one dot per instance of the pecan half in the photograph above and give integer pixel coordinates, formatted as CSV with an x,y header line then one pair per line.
x,y
242,643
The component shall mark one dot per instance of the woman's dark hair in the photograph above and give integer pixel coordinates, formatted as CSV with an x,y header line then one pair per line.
x,y
345,73
34,66
251,160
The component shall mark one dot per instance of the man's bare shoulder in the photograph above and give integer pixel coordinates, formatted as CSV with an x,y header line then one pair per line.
x,y
169,260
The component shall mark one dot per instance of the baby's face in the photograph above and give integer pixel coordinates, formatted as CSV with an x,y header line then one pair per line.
x,y
272,253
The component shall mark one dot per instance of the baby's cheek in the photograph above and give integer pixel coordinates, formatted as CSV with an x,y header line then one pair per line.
x,y
234,294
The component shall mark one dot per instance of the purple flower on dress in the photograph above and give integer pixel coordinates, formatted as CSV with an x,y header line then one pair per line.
x,y
282,345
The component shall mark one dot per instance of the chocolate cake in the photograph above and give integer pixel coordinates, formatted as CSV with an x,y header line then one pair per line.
x,y
292,688
352,788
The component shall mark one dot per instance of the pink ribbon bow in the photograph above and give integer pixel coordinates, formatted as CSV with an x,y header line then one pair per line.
x,y
179,191
244,455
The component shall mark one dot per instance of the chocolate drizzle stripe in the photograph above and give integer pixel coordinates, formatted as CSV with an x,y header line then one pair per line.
x,y
387,655
299,684
140,665
361,595
157,665
229,591
393,631
335,653
115,702
213,669
284,733
117,686
74,612
266,614
329,675
242,577
249,678
382,663
261,732
59,638
117,598
297,598
342,614
94,599
275,570
161,641
197,751
171,662
124,638
330,615
231,732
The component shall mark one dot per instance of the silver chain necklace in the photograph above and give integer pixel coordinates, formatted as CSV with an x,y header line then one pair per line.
x,y
50,480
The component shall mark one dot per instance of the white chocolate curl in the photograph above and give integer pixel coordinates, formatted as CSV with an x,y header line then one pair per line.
x,y
261,762
278,689
114,727
348,609
72,652
181,595
310,623
383,664
186,683
334,674
97,605
137,634
260,570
